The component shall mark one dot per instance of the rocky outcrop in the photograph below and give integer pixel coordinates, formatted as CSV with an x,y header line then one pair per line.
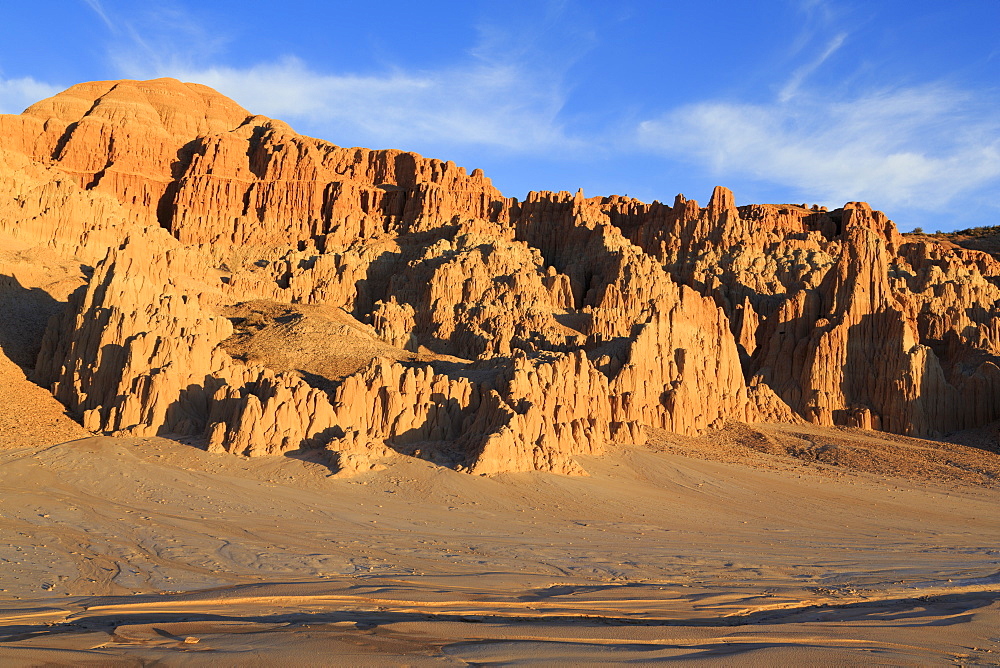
x,y
850,351
137,355
453,323
264,184
132,352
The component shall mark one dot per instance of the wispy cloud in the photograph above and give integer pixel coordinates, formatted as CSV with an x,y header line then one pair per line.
x,y
491,104
98,9
146,38
823,10
916,146
506,93
18,94
921,146
801,73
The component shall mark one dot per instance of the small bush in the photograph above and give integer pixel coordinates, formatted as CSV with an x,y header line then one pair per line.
x,y
985,231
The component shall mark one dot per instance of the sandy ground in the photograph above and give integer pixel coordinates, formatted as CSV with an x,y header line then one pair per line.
x,y
34,285
28,413
128,552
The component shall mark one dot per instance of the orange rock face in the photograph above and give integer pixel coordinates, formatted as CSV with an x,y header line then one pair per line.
x,y
520,333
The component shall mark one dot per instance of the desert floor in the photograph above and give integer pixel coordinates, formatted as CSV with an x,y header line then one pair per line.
x,y
128,552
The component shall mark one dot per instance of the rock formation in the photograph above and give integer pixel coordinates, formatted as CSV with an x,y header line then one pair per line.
x,y
265,292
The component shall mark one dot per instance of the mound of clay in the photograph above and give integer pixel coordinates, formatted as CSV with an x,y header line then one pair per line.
x,y
315,342
269,292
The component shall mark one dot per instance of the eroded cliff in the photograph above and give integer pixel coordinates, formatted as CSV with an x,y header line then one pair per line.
x,y
266,292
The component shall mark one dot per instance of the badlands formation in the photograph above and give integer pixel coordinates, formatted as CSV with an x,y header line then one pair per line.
x,y
175,269
268,292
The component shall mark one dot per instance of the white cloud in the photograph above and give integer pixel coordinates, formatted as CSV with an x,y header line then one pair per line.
x,y
918,147
18,94
506,93
791,88
98,8
502,105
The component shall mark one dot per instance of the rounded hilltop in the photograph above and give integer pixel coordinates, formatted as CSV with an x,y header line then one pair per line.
x,y
181,109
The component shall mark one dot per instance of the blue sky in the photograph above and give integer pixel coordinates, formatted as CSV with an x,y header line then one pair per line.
x,y
816,101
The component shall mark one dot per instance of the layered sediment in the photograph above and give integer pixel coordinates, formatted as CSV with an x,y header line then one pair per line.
x,y
451,322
